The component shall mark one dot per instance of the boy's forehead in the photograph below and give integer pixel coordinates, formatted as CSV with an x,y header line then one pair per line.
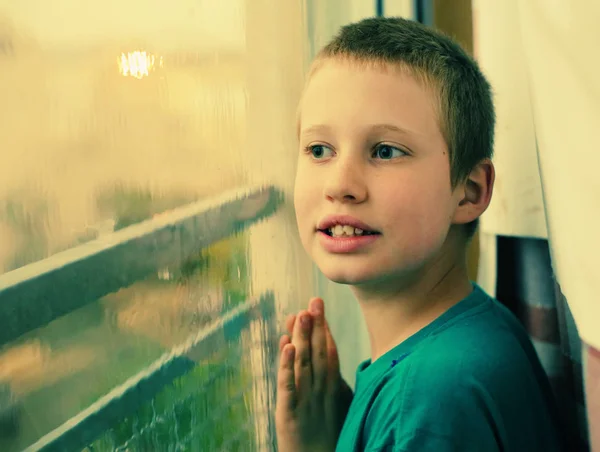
x,y
376,94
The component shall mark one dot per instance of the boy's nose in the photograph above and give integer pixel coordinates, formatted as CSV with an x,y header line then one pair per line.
x,y
345,183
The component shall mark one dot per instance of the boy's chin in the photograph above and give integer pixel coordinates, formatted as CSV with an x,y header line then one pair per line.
x,y
347,276
365,275
344,280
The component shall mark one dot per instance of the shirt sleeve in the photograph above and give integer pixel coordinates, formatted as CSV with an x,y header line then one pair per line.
x,y
449,416
465,440
468,395
444,415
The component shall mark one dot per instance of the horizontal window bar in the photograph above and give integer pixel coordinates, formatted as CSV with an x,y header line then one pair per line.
x,y
36,294
85,427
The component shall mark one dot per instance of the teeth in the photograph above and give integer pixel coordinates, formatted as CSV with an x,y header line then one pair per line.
x,y
348,230
345,231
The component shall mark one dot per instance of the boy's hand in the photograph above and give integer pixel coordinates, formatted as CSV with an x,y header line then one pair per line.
x,y
312,397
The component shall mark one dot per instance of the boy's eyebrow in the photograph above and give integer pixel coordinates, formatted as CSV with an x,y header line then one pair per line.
x,y
389,128
315,128
376,128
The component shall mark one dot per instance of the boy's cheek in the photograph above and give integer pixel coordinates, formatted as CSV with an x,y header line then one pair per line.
x,y
306,192
304,215
298,191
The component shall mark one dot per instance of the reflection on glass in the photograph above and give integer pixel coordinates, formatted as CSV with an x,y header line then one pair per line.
x,y
104,125
138,64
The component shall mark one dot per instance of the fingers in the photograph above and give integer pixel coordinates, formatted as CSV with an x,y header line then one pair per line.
x,y
289,323
301,342
318,344
283,341
287,396
333,358
316,359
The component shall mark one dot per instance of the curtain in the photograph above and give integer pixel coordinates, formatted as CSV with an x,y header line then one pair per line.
x,y
539,237
526,285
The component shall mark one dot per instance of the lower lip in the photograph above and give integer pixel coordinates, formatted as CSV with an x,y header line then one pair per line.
x,y
341,245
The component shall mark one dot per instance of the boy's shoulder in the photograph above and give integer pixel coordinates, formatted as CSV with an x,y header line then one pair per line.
x,y
478,344
477,339
476,375
486,343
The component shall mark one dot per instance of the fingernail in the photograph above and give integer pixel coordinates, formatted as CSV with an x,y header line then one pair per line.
x,y
316,306
290,352
305,321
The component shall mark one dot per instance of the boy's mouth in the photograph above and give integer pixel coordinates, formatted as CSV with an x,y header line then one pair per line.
x,y
346,231
340,226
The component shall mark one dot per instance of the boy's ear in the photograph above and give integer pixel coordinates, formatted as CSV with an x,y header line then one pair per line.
x,y
475,193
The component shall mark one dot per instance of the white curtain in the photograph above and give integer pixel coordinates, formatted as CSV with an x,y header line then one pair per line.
x,y
561,42
542,60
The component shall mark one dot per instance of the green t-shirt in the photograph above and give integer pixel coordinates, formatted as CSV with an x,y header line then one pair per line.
x,y
470,381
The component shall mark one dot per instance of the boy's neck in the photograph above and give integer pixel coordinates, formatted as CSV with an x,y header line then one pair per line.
x,y
400,313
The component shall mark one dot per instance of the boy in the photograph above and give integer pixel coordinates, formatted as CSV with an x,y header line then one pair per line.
x,y
396,134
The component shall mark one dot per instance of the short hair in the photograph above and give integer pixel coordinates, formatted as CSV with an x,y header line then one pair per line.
x,y
466,109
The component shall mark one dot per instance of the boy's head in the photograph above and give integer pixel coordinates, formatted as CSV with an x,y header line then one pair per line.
x,y
396,130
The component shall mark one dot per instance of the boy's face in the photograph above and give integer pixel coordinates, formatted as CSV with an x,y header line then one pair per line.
x,y
371,149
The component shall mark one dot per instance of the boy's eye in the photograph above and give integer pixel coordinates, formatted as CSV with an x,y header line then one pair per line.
x,y
387,152
319,151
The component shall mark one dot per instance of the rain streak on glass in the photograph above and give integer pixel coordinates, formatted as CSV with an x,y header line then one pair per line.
x,y
114,121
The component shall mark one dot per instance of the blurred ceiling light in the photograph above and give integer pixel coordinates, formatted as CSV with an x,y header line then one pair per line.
x,y
138,64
